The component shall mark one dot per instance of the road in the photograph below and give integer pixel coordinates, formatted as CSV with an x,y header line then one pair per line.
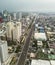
x,y
25,49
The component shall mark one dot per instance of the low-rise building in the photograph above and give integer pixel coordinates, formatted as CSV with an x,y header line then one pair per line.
x,y
40,36
40,62
52,62
51,45
39,43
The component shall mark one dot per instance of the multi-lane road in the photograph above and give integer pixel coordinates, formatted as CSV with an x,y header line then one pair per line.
x,y
25,48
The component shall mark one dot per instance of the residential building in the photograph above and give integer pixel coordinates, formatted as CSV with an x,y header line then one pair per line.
x,y
9,30
17,31
3,51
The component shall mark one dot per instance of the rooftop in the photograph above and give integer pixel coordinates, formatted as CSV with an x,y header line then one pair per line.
x,y
40,62
41,36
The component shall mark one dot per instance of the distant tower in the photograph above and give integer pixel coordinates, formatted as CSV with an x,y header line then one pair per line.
x,y
2,12
14,16
20,15
9,17
5,13
3,51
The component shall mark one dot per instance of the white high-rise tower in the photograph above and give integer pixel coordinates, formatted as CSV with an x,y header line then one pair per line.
x,y
17,31
3,51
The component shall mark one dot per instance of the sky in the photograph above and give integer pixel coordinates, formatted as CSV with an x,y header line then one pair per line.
x,y
28,5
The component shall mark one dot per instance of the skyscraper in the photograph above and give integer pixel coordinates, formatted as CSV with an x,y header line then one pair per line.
x,y
0,61
14,16
3,51
20,15
17,31
9,30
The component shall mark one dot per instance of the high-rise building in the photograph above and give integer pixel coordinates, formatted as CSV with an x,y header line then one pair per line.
x,y
5,15
9,17
14,16
9,30
13,31
1,17
3,51
0,61
20,15
17,31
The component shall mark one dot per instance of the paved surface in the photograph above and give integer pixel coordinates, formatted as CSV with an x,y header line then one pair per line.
x,y
25,49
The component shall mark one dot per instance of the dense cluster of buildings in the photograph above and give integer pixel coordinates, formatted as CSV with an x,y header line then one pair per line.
x,y
42,49
13,31
14,27
39,33
6,16
5,57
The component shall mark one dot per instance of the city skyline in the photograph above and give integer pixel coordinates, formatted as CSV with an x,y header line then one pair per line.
x,y
27,32
28,5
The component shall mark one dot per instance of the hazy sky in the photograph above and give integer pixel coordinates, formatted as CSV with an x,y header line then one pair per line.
x,y
28,5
